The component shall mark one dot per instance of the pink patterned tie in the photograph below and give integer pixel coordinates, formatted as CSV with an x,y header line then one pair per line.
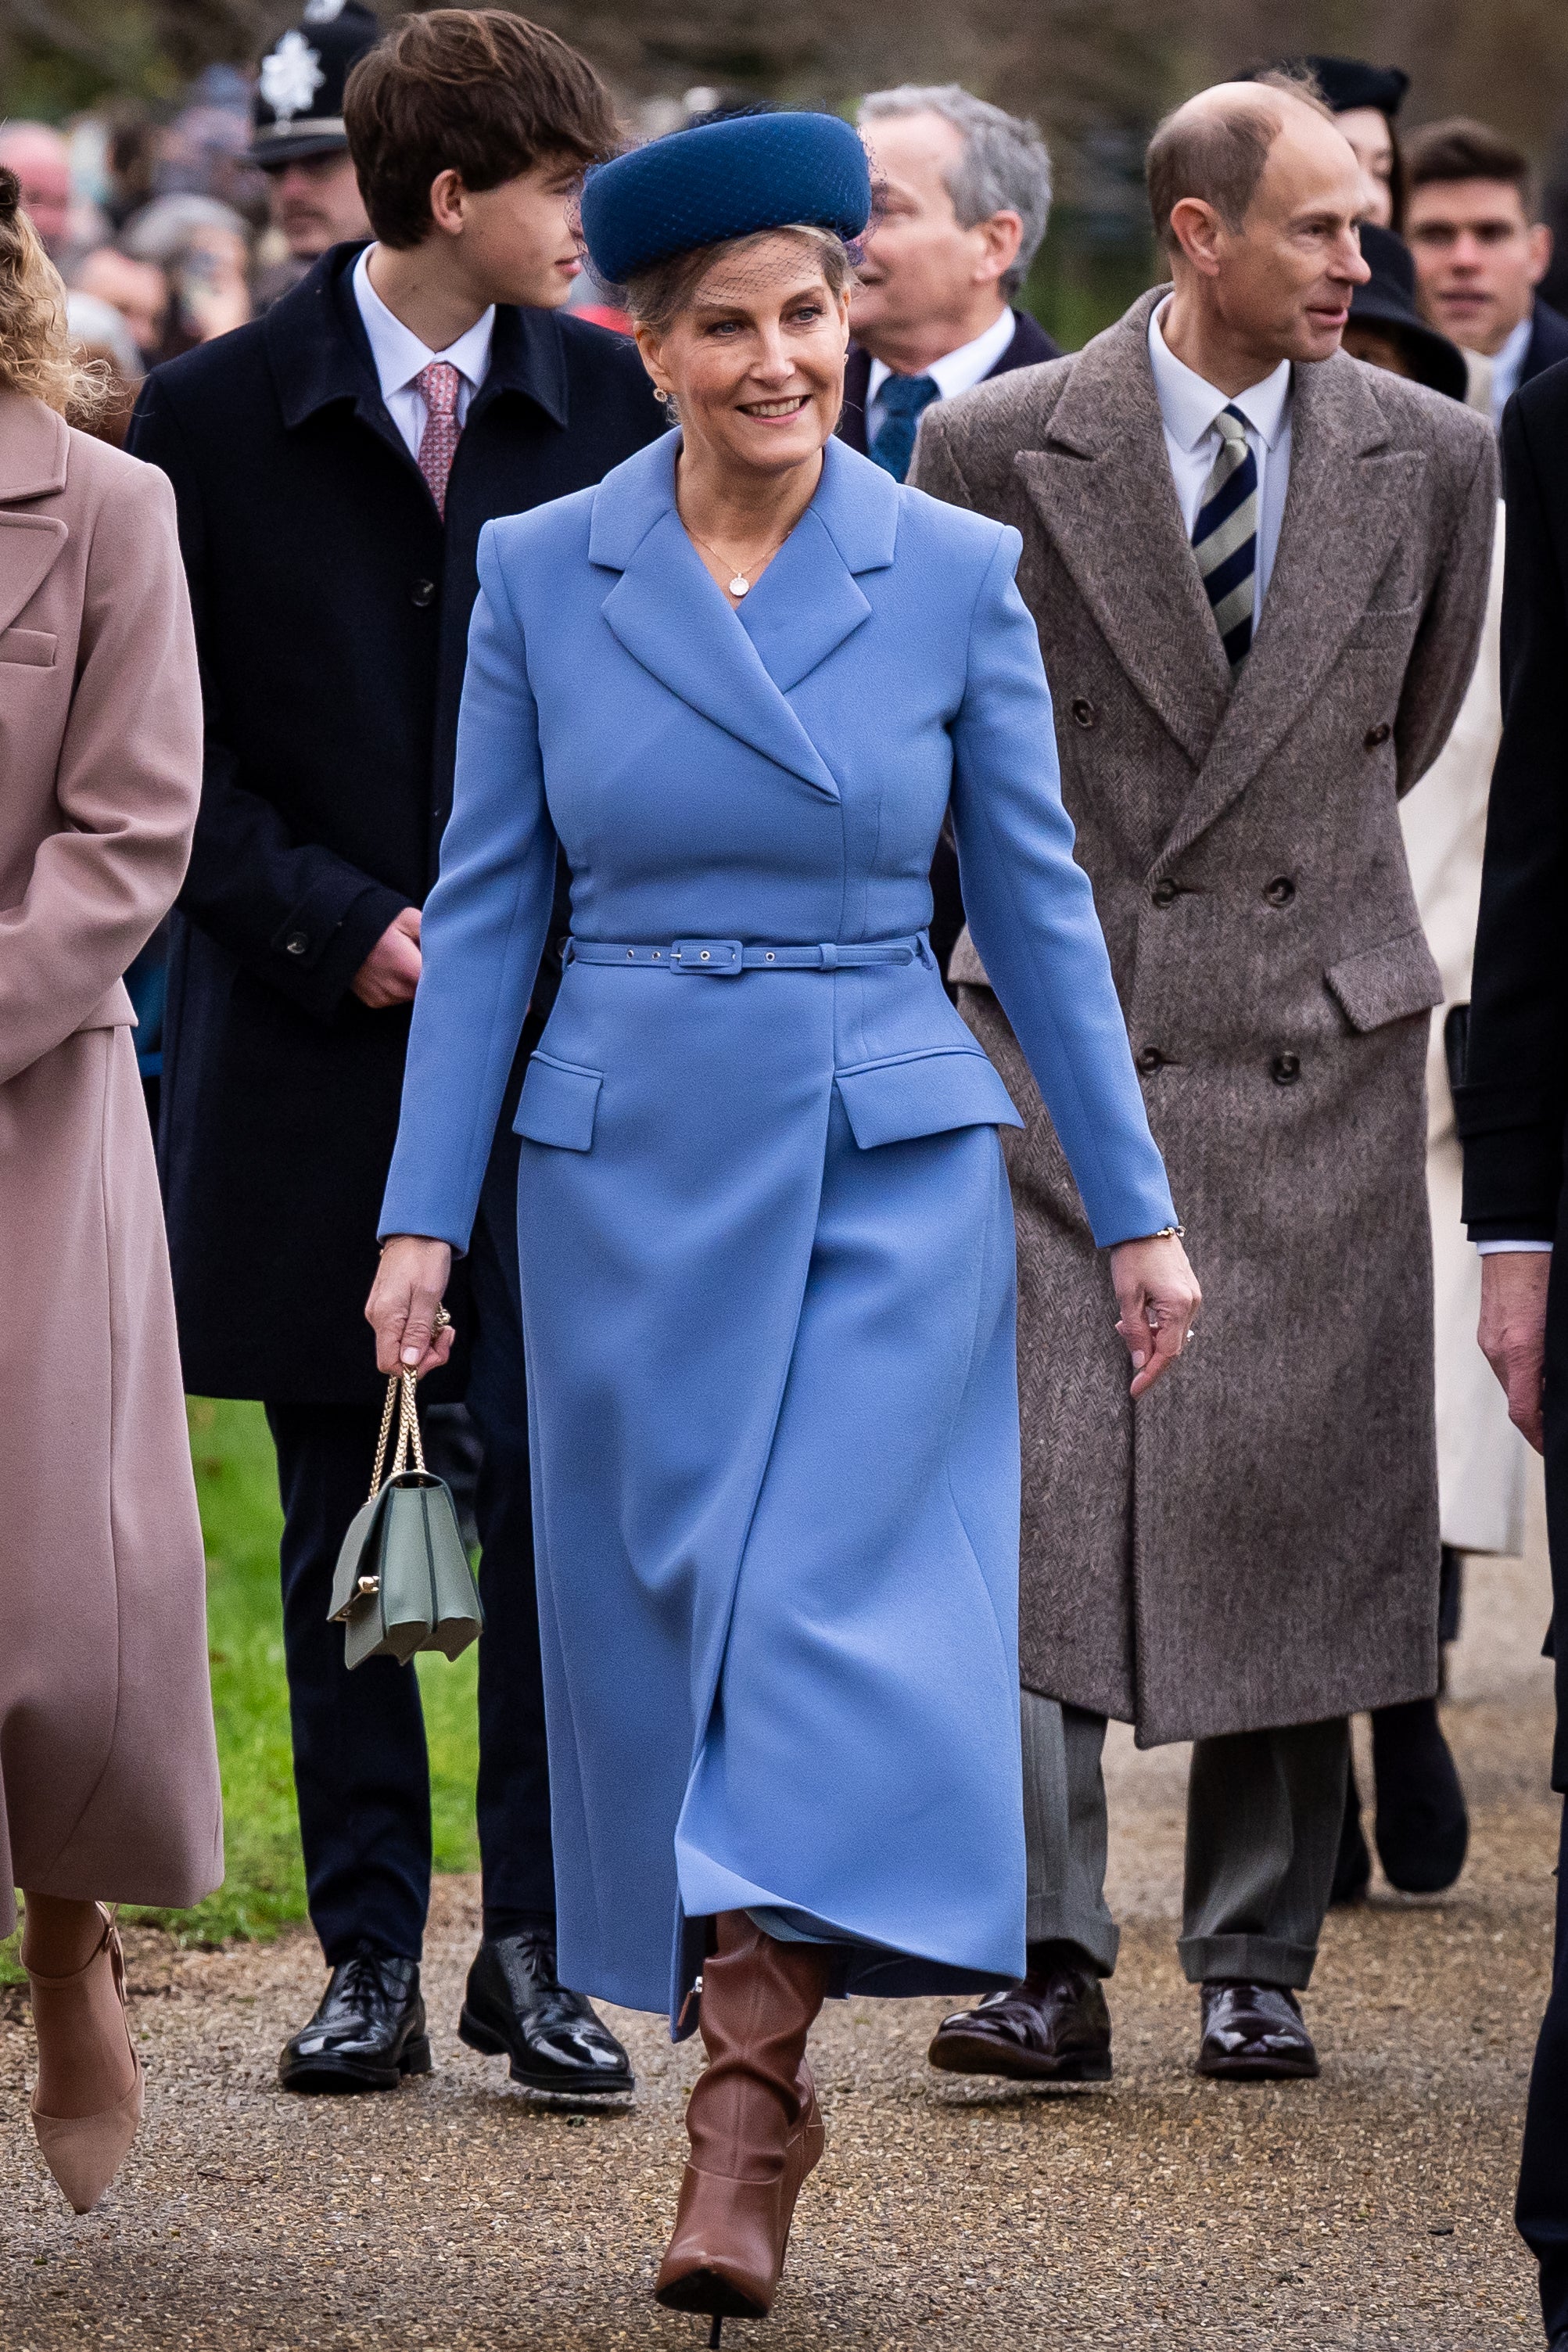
x,y
438,444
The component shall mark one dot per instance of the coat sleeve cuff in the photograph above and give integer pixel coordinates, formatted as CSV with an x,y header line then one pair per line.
x,y
1513,1184
318,948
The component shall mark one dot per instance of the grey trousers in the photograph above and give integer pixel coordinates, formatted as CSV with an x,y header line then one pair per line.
x,y
1263,1816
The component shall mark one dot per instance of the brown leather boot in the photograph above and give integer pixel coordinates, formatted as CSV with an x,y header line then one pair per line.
x,y
753,2122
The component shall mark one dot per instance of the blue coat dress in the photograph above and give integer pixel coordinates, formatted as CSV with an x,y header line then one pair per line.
x,y
767,1241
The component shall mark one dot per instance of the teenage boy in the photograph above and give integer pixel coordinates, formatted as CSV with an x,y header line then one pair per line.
x,y
334,464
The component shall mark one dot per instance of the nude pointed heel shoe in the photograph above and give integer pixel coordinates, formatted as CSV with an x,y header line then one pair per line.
x,y
755,2128
85,2152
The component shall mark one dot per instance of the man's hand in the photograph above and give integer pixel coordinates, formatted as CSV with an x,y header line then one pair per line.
x,y
1512,1332
390,974
1158,1293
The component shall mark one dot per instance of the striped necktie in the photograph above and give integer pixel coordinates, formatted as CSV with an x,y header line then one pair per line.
x,y
1225,536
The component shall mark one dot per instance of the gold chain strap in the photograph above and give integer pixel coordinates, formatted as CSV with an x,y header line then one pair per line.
x,y
401,1391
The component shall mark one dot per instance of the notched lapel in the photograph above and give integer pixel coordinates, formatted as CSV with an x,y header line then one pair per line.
x,y
1114,521
804,606
1348,499
670,617
1101,487
30,546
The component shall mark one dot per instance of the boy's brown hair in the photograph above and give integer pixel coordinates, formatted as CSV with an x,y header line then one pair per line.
x,y
476,91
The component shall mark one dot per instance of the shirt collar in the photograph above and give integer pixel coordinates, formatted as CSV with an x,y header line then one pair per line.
x,y
959,371
1188,406
397,350
1509,359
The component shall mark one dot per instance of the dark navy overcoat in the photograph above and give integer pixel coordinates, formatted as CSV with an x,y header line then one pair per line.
x,y
331,607
766,1236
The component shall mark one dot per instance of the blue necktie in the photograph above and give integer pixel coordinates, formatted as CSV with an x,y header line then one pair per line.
x,y
901,400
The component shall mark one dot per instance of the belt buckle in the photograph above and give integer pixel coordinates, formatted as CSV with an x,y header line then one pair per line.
x,y
713,958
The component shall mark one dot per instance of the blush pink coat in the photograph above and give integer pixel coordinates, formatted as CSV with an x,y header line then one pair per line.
x,y
109,1779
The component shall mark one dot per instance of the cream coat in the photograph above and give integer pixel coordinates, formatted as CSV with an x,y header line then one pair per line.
x,y
1482,1457
109,1783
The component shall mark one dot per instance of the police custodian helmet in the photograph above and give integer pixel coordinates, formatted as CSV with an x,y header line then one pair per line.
x,y
298,106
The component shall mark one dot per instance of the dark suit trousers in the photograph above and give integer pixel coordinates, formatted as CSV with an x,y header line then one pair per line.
x,y
359,1762
1541,2210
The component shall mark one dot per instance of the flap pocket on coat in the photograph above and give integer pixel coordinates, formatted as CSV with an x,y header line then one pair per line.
x,y
33,648
1388,982
907,1094
1385,624
559,1103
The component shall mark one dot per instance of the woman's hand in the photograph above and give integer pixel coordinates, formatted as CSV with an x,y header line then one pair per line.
x,y
401,1309
1158,1293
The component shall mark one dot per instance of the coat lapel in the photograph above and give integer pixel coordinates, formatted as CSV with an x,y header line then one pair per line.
x,y
669,615
1344,508
1103,487
33,447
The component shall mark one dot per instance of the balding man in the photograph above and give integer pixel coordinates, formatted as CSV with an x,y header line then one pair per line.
x,y
42,163
1257,568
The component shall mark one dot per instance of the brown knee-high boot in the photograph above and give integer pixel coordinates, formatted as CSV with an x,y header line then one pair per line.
x,y
753,2123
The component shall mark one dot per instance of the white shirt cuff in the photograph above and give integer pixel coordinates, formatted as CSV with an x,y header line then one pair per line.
x,y
1491,1249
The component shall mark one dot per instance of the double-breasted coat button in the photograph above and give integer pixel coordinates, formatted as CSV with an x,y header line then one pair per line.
x,y
1150,1059
296,943
1285,1069
1083,712
1377,736
1280,891
423,592
1164,892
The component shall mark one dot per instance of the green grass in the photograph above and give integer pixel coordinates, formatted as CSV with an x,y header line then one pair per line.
x,y
264,1887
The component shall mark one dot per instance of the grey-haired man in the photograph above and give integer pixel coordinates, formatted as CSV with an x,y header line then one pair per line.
x,y
963,198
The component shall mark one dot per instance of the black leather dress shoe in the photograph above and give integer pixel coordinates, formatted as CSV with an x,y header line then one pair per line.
x,y
1053,2028
368,2033
1254,2033
517,2007
1422,1828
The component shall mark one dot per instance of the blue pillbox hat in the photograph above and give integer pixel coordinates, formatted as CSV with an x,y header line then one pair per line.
x,y
731,178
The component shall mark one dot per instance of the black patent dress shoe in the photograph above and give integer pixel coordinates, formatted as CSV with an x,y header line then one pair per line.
x,y
367,2034
517,2007
1053,2028
1254,2033
1423,1827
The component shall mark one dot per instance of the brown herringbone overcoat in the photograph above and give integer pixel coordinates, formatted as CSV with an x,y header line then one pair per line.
x,y
1256,1542
109,1776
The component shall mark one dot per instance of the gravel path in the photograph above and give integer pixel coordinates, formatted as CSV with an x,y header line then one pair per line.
x,y
1370,2210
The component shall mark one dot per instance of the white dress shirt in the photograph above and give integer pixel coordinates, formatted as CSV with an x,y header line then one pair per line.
x,y
1188,407
1506,365
954,373
399,355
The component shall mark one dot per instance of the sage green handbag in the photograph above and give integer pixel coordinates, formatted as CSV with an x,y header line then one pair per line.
x,y
402,1580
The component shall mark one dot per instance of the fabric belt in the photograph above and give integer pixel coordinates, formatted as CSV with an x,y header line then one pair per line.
x,y
727,959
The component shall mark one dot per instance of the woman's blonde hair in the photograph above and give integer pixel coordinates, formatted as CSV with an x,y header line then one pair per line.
x,y
655,296
36,354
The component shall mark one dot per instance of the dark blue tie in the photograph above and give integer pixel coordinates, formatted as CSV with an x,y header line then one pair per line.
x,y
901,400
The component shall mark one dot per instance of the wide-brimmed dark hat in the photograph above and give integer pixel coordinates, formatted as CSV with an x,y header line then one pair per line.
x,y
299,107
1388,300
720,180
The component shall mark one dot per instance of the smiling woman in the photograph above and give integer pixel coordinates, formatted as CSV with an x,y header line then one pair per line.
x,y
765,1241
